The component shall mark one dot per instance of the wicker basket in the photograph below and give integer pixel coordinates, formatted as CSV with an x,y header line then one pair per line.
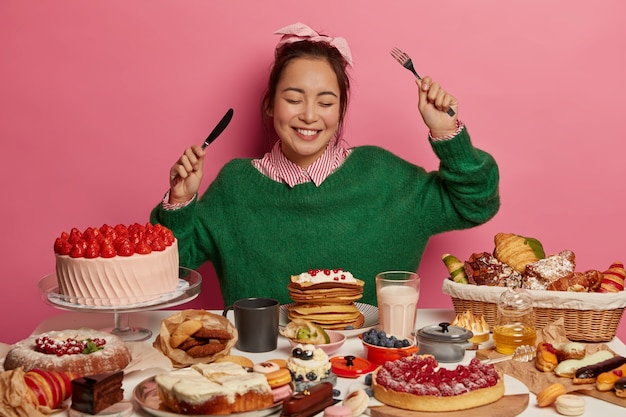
x,y
588,317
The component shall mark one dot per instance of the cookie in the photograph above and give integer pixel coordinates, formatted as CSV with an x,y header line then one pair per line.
x,y
184,331
570,405
208,333
205,350
549,394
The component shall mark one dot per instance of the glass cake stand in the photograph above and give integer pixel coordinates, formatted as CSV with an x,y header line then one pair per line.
x,y
188,288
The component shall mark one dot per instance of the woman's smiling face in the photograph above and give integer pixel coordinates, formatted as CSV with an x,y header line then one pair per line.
x,y
306,109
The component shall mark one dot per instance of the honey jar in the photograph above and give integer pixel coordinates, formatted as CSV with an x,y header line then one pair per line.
x,y
515,324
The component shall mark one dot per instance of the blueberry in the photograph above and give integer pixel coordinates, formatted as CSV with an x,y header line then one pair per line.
x,y
306,355
368,379
299,378
296,353
311,376
398,344
349,327
369,392
336,392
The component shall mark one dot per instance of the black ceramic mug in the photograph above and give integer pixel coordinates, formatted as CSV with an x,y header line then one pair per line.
x,y
256,320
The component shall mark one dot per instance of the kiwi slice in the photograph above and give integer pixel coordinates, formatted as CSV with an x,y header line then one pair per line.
x,y
312,333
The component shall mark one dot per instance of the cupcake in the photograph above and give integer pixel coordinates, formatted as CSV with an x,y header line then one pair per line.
x,y
309,365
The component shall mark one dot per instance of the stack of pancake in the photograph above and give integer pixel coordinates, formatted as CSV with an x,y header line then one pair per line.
x,y
326,297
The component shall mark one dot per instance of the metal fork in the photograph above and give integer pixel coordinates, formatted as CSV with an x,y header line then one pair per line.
x,y
405,60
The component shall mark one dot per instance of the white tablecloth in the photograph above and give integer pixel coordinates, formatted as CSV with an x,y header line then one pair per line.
x,y
152,320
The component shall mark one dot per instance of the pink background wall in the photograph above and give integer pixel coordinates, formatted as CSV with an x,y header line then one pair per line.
x,y
99,98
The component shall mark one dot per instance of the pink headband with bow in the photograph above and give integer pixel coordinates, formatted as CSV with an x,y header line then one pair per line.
x,y
300,32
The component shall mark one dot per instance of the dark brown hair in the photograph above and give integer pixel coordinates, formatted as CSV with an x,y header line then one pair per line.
x,y
307,49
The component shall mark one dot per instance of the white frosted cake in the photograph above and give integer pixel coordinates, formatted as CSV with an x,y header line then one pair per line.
x,y
216,388
116,265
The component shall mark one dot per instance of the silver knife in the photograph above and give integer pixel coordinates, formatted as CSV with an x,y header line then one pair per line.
x,y
217,130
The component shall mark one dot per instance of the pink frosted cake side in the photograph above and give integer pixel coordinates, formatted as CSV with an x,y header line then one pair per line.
x,y
117,266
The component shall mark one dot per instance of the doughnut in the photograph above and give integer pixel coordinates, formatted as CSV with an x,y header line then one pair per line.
x,y
358,401
549,394
570,405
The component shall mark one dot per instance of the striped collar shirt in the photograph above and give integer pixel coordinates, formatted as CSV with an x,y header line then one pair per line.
x,y
277,167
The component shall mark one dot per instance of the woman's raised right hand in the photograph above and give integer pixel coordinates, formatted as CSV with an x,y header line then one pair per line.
x,y
186,175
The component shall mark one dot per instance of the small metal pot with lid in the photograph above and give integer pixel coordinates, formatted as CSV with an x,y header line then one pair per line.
x,y
446,343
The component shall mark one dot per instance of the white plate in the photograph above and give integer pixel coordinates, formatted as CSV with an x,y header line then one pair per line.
x,y
146,395
370,313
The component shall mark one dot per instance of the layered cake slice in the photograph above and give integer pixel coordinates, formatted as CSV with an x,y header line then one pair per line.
x,y
94,393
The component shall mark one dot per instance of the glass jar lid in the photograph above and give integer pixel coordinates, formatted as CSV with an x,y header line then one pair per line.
x,y
516,299
444,332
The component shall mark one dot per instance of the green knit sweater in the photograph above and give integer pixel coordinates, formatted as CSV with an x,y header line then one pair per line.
x,y
375,213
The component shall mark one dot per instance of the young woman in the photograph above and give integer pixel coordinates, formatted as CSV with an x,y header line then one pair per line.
x,y
312,202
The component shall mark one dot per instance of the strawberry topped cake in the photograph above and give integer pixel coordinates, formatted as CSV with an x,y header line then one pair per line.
x,y
418,383
118,265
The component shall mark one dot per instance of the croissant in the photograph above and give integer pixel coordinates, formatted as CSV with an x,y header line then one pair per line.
x,y
613,278
517,251
587,281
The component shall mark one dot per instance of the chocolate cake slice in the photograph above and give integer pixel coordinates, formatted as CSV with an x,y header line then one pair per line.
x,y
92,394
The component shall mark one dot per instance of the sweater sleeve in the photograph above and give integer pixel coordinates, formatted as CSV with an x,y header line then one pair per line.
x,y
194,247
469,182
